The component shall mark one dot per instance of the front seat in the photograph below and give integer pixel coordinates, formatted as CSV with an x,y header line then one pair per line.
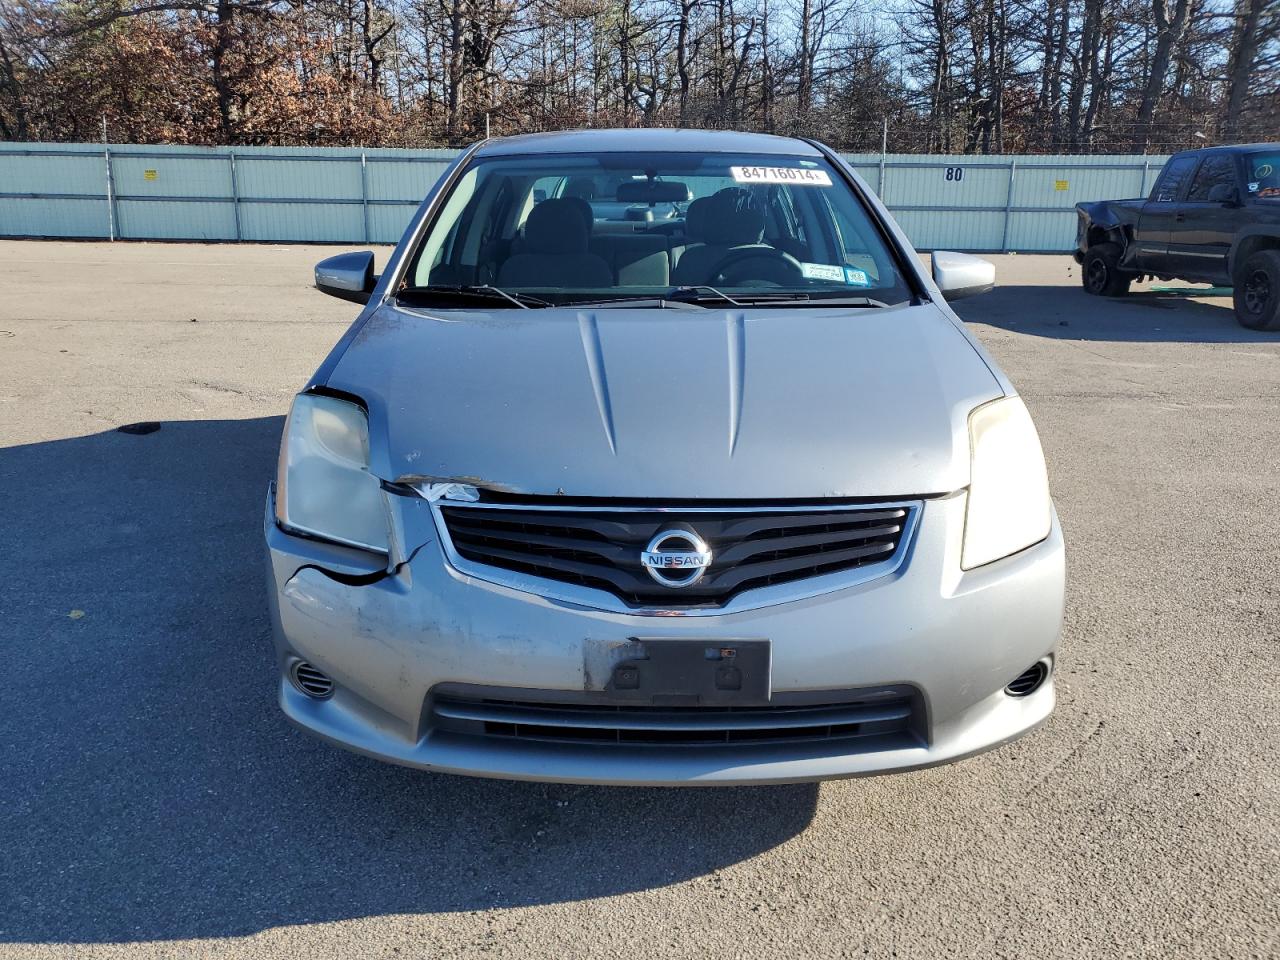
x,y
695,218
554,251
726,221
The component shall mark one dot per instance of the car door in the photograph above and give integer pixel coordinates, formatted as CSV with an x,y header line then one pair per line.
x,y
1205,221
1157,218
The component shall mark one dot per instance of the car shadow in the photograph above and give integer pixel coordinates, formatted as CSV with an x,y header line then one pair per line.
x,y
152,789
1182,315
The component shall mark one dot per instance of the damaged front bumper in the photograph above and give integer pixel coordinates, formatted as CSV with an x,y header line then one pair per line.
x,y
393,633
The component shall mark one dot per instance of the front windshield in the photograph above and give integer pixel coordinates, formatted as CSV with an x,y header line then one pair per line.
x,y
1263,182
629,226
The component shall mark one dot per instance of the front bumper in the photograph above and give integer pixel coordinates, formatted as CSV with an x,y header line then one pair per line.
x,y
957,638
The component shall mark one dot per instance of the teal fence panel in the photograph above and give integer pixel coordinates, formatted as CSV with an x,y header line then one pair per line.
x,y
999,203
348,195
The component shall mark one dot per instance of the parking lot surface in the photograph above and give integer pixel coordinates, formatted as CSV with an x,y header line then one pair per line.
x,y
154,803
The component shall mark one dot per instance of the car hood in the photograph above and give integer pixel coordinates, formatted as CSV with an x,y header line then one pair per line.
x,y
670,403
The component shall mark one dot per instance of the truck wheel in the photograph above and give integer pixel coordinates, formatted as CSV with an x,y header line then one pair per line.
x,y
1101,273
1257,291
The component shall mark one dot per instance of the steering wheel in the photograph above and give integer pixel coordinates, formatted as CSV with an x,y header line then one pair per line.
x,y
758,264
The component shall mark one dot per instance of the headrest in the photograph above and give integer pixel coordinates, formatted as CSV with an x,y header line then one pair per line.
x,y
695,220
556,226
584,210
732,218
583,187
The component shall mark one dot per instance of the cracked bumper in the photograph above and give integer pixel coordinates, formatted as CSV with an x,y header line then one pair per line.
x,y
958,638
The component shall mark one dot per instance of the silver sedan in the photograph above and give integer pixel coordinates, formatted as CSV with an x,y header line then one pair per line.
x,y
654,457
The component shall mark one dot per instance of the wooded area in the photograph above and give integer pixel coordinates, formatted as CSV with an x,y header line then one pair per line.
x,y
977,76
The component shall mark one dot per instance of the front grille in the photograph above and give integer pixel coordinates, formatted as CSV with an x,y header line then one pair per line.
x,y
879,720
601,548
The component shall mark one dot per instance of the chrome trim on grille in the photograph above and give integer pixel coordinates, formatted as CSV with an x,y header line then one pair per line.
x,y
753,599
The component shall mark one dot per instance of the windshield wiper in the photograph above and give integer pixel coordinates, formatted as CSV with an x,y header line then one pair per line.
x,y
842,301
639,301
685,296
701,295
797,298
485,291
690,294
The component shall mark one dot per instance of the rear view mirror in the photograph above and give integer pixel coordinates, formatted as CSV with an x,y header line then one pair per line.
x,y
653,191
1223,193
961,275
348,276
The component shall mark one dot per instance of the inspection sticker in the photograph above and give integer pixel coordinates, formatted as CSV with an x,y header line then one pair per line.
x,y
835,273
823,271
795,175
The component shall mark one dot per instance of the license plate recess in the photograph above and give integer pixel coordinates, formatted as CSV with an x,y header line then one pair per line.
x,y
666,672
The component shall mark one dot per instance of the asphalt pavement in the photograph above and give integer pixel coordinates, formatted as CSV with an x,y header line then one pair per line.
x,y
154,803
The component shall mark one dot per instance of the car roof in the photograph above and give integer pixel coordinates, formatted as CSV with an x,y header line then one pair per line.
x,y
622,141
1229,148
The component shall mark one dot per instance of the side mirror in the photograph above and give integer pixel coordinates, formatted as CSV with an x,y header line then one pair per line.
x,y
348,276
960,275
1223,193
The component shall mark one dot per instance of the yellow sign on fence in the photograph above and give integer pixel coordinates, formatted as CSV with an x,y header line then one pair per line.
x,y
1061,185
149,175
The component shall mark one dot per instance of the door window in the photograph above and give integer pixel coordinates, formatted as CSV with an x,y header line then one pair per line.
x,y
1172,178
1215,170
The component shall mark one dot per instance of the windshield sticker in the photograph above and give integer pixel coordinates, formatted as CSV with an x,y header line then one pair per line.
x,y
823,271
793,175
857,278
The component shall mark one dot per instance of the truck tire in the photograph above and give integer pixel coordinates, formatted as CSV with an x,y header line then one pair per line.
x,y
1257,291
1101,274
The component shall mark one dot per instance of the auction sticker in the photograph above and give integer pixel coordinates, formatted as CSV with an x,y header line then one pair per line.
x,y
795,175
823,271
835,273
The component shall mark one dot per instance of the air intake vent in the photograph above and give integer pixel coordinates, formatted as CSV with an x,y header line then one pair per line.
x,y
1028,682
874,720
310,681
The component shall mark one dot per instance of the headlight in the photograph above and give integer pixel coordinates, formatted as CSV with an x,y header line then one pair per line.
x,y
323,486
1008,507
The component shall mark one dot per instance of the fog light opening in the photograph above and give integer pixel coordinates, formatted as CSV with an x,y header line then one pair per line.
x,y
310,681
1029,681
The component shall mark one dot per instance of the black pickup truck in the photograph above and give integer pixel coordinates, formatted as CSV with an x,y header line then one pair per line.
x,y
1213,217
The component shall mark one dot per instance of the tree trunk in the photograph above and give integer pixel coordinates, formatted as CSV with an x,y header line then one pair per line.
x,y
453,81
682,58
18,130
221,82
1244,50
804,80
1170,26
624,58
1082,70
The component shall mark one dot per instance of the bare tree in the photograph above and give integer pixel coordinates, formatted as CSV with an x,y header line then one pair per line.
x,y
982,76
